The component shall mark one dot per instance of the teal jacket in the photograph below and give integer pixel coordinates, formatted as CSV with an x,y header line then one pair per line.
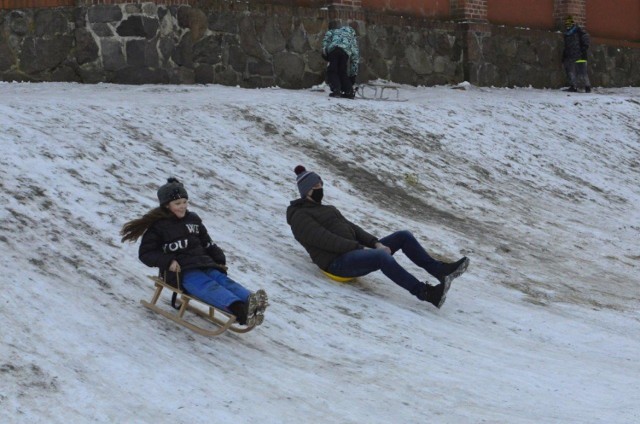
x,y
345,38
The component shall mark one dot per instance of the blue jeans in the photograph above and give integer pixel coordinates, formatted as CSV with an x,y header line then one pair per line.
x,y
361,262
213,287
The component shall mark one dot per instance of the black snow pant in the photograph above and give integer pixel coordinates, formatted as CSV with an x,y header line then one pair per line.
x,y
576,73
338,72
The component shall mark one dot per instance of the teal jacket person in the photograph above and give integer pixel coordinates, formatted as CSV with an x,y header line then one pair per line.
x,y
344,38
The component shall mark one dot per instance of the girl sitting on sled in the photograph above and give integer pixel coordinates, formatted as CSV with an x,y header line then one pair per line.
x,y
175,240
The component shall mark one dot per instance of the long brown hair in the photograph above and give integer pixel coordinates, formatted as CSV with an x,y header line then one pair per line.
x,y
132,230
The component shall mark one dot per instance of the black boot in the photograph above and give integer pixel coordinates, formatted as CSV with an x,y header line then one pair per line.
x,y
571,89
587,89
349,94
453,270
436,295
239,309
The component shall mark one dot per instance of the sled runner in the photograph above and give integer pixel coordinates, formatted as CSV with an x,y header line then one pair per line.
x,y
219,325
376,91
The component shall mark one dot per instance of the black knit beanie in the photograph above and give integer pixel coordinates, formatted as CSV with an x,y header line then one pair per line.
x,y
172,190
306,180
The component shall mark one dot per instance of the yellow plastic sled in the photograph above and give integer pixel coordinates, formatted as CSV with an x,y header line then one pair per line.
x,y
337,278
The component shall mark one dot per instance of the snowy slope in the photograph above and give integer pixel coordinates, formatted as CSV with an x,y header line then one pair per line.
x,y
539,188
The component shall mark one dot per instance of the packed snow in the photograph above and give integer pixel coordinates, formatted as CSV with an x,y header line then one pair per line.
x,y
539,188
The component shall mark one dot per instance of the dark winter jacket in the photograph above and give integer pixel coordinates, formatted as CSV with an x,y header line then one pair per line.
x,y
186,240
324,232
576,44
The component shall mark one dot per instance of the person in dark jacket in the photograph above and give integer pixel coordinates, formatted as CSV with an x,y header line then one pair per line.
x,y
340,49
175,240
574,56
342,248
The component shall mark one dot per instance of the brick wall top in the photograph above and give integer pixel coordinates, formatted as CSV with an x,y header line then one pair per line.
x,y
523,13
33,4
438,9
618,20
159,2
576,8
470,10
36,4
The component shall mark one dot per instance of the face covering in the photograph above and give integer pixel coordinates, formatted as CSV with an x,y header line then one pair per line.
x,y
317,194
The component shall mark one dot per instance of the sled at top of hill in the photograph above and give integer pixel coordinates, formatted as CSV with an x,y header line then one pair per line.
x,y
216,326
376,91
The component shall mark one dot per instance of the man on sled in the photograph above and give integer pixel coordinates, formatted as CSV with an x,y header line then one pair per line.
x,y
343,249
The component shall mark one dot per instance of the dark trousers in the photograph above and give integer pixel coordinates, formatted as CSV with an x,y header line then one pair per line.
x,y
361,262
338,72
576,73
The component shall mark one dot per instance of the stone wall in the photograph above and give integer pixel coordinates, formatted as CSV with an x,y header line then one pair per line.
x,y
37,42
506,57
127,43
258,45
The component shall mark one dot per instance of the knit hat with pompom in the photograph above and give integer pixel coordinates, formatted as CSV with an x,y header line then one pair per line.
x,y
172,190
306,180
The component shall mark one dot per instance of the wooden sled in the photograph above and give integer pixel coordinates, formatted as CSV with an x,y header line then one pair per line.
x,y
376,91
219,326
